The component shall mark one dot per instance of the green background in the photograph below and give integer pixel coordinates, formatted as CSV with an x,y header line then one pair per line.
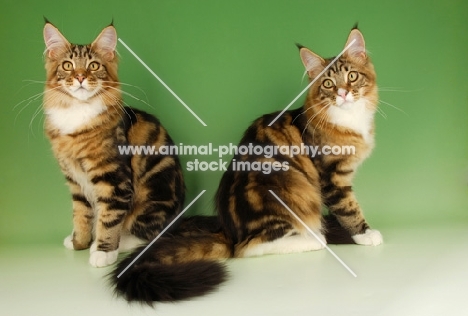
x,y
232,61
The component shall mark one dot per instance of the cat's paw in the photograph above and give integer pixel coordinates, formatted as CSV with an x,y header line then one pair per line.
x,y
371,237
100,259
68,242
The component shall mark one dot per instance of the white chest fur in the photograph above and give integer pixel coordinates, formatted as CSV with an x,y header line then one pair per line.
x,y
83,180
77,114
355,116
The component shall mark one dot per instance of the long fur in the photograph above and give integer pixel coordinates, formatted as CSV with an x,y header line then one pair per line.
x,y
338,111
149,281
179,266
113,193
167,272
250,220
335,234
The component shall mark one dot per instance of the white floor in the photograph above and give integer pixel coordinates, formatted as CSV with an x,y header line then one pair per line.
x,y
418,271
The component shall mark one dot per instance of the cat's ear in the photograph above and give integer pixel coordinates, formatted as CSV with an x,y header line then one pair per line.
x,y
55,42
357,50
313,63
106,42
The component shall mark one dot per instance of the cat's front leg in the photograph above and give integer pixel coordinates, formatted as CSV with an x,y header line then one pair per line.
x,y
83,218
342,203
112,209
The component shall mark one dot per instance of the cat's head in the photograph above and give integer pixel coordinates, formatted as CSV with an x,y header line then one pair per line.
x,y
347,83
81,72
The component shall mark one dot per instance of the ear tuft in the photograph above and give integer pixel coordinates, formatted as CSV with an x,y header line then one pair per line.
x,y
299,46
106,42
55,42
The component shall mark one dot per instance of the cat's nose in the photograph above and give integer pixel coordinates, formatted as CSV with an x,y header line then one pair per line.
x,y
342,93
80,77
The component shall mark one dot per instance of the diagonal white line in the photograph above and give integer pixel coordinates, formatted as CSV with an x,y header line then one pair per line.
x,y
313,234
162,82
161,233
312,82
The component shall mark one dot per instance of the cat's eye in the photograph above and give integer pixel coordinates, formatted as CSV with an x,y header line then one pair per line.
x,y
352,76
68,66
94,66
328,83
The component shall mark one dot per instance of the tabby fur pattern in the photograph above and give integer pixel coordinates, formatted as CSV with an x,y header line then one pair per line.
x,y
338,111
118,199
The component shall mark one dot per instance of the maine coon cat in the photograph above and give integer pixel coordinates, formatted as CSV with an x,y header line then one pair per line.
x,y
117,199
338,111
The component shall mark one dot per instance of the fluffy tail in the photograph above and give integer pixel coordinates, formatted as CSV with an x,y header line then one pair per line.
x,y
185,264
176,267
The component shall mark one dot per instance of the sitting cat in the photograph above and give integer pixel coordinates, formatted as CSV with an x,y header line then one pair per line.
x,y
117,199
338,111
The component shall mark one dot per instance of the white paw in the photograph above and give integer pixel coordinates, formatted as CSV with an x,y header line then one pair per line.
x,y
68,242
102,258
370,238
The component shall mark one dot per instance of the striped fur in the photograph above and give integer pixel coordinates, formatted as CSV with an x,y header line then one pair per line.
x,y
338,111
113,195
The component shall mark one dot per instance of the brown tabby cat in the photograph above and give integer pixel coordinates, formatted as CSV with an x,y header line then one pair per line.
x,y
116,198
338,111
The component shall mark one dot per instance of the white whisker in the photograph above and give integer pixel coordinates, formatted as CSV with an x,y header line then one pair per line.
x,y
35,81
325,117
381,112
312,118
29,101
130,85
106,94
36,113
310,107
130,95
396,89
393,106
116,102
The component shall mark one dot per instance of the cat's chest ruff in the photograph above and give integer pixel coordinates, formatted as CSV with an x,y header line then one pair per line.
x,y
355,116
78,114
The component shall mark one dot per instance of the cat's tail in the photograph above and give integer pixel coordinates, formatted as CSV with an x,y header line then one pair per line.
x,y
185,263
179,266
